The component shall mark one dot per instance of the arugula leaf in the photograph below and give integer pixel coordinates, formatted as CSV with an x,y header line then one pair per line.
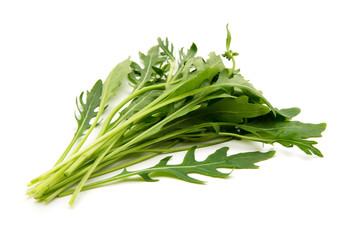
x,y
139,103
236,79
87,110
242,86
233,110
208,167
287,133
168,49
114,79
193,82
284,128
86,113
287,113
139,76
184,57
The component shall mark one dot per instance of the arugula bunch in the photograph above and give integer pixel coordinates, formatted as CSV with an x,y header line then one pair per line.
x,y
176,104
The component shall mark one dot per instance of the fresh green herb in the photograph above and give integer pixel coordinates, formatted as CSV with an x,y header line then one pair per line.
x,y
208,167
175,104
86,113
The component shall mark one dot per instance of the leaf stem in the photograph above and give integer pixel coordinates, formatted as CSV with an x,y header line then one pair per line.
x,y
134,94
172,67
89,172
69,147
231,72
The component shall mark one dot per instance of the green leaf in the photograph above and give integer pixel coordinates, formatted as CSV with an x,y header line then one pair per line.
x,y
168,49
190,54
285,128
192,67
159,71
139,103
287,133
214,59
233,110
195,82
141,76
208,167
113,81
86,110
288,113
242,86
236,79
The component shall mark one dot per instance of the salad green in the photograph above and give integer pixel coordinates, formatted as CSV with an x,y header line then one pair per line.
x,y
177,104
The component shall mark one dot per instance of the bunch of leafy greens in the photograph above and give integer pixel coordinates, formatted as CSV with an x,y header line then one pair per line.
x,y
175,105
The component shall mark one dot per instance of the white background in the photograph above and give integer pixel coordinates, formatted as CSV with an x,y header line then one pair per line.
x,y
300,53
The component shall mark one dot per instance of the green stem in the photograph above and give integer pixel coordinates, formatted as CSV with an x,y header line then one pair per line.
x,y
245,137
40,189
89,172
69,147
94,124
86,155
231,72
97,184
168,150
169,77
68,182
144,135
134,94
112,158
